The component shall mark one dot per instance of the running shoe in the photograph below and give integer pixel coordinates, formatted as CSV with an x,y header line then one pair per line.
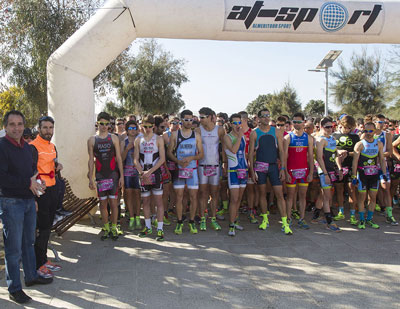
x,y
215,225
264,224
361,225
160,235
138,224
119,230
146,232
44,272
340,216
131,224
286,229
154,223
295,214
377,208
231,231
290,222
252,218
353,220
52,267
395,200
221,213
303,224
203,225
238,226
372,224
166,221
391,220
197,219
106,234
178,229
333,227
193,229
114,234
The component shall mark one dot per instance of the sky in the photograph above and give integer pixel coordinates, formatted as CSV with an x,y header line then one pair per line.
x,y
227,76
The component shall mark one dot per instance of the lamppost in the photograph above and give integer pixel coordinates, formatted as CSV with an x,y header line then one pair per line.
x,y
324,66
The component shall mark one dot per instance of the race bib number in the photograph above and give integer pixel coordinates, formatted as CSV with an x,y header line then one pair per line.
x,y
209,170
105,185
397,168
148,181
261,167
241,173
164,173
332,176
371,170
130,171
185,173
171,165
299,173
345,171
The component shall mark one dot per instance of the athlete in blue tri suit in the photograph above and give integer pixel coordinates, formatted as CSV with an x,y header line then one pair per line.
x,y
368,155
185,148
235,148
265,142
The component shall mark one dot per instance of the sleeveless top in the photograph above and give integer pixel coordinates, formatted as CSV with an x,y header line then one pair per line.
x,y
238,160
210,141
382,138
148,152
104,153
266,146
369,155
329,153
297,151
129,156
346,142
186,147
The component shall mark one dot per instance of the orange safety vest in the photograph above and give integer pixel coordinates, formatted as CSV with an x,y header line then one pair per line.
x,y
46,155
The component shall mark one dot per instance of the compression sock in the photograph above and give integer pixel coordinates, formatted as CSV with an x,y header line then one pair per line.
x,y
352,212
341,209
316,213
225,204
369,215
328,217
107,226
160,225
389,211
284,221
148,223
361,214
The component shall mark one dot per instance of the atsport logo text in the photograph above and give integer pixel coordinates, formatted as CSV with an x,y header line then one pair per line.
x,y
333,16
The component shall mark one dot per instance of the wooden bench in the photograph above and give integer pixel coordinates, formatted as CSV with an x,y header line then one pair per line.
x,y
78,207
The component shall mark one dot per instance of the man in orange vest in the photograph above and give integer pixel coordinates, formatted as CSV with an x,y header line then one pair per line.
x,y
45,154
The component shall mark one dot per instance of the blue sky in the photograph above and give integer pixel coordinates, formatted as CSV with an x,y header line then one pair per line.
x,y
226,76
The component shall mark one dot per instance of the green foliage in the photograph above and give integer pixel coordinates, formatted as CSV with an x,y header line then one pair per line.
x,y
150,82
315,108
282,102
360,88
14,99
115,109
393,86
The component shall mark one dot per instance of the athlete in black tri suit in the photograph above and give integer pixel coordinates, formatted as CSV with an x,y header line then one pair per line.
x,y
106,163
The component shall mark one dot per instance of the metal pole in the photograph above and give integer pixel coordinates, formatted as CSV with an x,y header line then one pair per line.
x,y
326,91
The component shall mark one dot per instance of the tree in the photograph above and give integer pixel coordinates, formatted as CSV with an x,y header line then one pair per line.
x,y
115,110
14,99
30,31
259,103
315,108
360,88
393,88
150,82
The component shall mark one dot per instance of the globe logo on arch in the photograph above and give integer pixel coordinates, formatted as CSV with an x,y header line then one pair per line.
x,y
333,16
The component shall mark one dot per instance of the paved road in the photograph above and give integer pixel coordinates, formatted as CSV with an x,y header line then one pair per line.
x,y
311,269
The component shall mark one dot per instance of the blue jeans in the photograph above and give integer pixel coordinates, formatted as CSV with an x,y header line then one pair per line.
x,y
19,224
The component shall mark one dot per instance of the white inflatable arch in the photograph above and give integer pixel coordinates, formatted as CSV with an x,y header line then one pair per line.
x,y
72,68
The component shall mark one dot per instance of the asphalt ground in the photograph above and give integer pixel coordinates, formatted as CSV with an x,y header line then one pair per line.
x,y
313,268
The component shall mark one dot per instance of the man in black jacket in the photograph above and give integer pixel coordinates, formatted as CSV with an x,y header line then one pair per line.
x,y
17,206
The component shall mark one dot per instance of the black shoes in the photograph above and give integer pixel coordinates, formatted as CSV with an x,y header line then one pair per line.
x,y
39,280
20,297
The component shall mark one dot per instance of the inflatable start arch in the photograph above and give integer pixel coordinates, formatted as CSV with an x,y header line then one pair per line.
x,y
72,68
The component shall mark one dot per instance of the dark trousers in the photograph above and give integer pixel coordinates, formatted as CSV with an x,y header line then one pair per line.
x,y
47,204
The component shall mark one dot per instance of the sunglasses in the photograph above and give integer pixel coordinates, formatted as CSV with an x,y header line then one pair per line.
x,y
103,123
188,119
236,122
328,127
147,126
280,125
367,131
132,128
380,122
265,116
203,117
297,121
120,124
175,123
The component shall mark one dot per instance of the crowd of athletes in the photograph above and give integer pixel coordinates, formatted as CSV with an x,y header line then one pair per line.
x,y
203,169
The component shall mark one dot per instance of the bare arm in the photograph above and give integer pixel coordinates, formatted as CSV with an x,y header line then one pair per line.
x,y
200,152
395,144
382,158
389,148
356,155
136,153
321,143
115,140
171,148
286,143
252,142
90,174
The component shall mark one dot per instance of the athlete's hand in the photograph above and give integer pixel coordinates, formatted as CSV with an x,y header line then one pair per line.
x,y
129,146
36,188
288,178
342,153
92,185
310,178
282,175
254,176
36,206
121,182
146,177
354,180
225,169
183,162
328,180
241,132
